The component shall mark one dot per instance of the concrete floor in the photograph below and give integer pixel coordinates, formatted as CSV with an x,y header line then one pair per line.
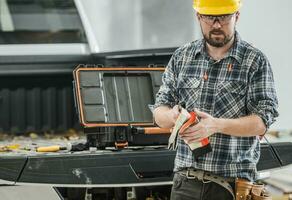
x,y
28,192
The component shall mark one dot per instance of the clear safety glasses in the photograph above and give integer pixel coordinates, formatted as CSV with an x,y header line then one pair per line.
x,y
211,19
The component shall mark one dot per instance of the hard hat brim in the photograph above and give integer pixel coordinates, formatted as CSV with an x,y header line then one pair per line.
x,y
217,11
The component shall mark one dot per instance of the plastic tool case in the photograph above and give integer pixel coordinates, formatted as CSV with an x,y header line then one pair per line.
x,y
114,105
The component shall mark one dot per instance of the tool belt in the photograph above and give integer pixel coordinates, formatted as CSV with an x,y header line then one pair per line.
x,y
245,190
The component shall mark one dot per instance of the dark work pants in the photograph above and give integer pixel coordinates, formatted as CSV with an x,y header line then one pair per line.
x,y
193,189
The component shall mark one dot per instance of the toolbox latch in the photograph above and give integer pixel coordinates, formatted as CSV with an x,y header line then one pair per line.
x,y
121,145
121,136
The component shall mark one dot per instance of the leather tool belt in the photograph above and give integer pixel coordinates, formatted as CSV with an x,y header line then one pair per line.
x,y
245,190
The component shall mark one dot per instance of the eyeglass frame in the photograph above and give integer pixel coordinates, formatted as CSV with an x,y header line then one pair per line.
x,y
217,18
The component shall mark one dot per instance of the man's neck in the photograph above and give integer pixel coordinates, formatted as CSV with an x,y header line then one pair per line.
x,y
217,53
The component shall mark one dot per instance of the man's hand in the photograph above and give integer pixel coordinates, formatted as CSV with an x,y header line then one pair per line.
x,y
165,116
173,113
205,128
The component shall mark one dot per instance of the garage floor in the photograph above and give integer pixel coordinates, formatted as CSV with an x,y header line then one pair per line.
x,y
28,192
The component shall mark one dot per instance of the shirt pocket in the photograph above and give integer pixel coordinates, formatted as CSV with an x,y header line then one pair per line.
x,y
230,99
189,88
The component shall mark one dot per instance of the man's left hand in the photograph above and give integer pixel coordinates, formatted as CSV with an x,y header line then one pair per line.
x,y
205,128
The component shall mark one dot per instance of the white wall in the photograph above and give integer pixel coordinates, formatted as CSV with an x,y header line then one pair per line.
x,y
267,24
138,24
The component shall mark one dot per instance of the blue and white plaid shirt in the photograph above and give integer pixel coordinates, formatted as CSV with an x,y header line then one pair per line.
x,y
238,85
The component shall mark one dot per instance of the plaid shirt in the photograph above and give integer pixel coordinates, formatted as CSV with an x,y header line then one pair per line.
x,y
238,85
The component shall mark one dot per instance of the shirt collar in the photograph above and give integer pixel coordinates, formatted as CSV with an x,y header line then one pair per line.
x,y
235,51
200,47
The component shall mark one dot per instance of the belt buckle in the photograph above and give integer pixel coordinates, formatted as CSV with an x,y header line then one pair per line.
x,y
189,176
199,175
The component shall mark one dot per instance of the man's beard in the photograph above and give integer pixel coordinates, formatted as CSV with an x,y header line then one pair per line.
x,y
217,42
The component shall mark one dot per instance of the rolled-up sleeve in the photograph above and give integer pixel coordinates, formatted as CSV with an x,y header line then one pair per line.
x,y
262,99
167,94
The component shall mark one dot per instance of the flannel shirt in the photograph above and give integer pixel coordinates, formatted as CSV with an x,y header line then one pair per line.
x,y
238,85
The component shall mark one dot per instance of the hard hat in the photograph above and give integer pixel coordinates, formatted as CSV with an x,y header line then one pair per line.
x,y
216,7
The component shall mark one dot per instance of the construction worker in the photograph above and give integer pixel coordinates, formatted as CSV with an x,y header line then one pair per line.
x,y
229,84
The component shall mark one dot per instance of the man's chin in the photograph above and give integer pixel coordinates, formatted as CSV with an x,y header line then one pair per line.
x,y
218,38
216,43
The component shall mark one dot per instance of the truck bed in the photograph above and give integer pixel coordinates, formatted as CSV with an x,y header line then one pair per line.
x,y
132,166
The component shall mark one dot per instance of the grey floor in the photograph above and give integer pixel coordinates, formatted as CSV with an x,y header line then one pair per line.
x,y
28,193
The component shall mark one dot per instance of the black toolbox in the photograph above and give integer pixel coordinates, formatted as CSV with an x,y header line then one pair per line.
x,y
114,105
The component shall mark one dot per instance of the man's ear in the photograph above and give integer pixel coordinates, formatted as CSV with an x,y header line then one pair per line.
x,y
198,16
237,16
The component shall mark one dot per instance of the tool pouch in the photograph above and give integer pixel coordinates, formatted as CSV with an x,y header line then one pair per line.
x,y
243,189
258,193
246,190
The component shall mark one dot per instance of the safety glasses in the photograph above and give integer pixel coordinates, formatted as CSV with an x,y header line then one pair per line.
x,y
211,19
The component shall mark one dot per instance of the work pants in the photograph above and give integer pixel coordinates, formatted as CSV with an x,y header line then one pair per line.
x,y
194,189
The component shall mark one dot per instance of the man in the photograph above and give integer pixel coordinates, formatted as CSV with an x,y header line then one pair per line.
x,y
229,84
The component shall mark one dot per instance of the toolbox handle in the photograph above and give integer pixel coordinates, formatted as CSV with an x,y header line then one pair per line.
x,y
152,130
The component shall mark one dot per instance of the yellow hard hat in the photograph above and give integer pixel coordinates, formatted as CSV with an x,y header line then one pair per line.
x,y
216,7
